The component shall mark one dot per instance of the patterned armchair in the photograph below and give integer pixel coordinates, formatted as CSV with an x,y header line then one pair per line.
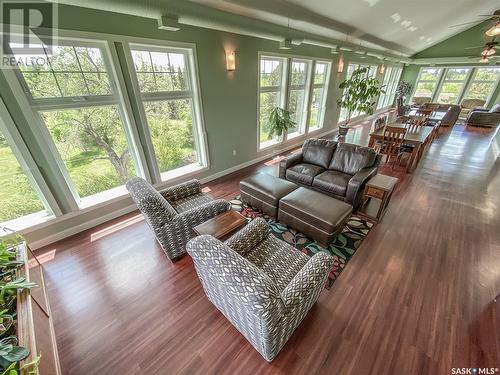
x,y
261,284
173,212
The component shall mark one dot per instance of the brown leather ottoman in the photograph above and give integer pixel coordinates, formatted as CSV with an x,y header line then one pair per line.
x,y
263,191
315,214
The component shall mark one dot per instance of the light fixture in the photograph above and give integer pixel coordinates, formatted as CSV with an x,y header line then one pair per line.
x,y
340,65
286,44
230,61
494,30
382,69
484,59
488,51
297,42
169,23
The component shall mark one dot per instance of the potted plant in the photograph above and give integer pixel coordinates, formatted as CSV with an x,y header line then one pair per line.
x,y
358,94
280,120
402,90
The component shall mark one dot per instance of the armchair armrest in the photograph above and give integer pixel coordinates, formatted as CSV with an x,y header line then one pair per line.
x,y
479,109
357,183
182,190
306,286
288,162
249,237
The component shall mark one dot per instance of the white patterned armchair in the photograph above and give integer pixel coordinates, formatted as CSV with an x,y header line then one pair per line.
x,y
173,212
261,284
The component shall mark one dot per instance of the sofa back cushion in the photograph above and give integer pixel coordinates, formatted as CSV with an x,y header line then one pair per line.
x,y
318,151
350,158
495,109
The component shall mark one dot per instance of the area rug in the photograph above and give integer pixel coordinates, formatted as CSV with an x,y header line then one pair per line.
x,y
342,249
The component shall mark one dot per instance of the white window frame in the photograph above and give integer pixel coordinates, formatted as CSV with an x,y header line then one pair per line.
x,y
193,94
464,82
116,98
438,81
472,80
284,90
324,95
30,169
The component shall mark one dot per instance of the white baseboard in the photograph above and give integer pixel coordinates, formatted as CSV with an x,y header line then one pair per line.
x,y
36,244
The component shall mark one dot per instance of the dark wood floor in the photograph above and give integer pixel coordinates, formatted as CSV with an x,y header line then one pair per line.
x,y
416,298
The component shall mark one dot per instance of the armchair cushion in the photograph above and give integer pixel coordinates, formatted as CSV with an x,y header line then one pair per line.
x,y
249,237
303,173
350,158
189,202
318,152
333,182
183,190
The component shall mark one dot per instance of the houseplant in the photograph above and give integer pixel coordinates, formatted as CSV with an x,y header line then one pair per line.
x,y
280,120
358,94
402,90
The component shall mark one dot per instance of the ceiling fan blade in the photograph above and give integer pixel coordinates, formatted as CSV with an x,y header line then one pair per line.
x,y
474,47
465,23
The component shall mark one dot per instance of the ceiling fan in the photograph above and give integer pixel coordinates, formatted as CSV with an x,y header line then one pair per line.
x,y
494,30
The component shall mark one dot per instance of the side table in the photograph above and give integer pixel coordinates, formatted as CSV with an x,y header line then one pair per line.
x,y
378,192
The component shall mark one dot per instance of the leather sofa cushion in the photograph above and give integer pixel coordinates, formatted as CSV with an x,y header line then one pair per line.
x,y
303,173
316,209
318,152
350,158
334,182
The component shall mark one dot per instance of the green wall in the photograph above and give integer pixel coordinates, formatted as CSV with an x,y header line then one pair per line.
x,y
229,99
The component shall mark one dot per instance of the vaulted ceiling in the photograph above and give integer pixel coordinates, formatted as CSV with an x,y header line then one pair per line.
x,y
406,26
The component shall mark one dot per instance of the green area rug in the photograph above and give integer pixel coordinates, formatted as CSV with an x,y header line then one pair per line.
x,y
342,249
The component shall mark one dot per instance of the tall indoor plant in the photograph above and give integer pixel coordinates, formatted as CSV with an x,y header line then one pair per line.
x,y
280,120
358,94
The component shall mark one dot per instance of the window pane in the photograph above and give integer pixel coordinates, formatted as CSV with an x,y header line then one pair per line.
x,y
449,92
425,88
299,73
480,90
316,103
320,73
268,101
296,105
270,72
171,127
487,74
456,74
92,144
160,71
430,74
17,197
69,71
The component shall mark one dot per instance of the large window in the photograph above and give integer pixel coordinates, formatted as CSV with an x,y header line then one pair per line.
x,y
390,83
427,82
74,94
372,73
164,77
297,84
483,83
452,84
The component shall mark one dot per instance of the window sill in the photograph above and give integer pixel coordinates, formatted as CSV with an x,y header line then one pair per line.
x,y
26,221
182,171
102,197
268,143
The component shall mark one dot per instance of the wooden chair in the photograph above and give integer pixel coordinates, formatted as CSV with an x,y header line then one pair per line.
x,y
392,143
414,124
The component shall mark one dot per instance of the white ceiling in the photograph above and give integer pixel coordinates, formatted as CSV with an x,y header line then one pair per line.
x,y
405,26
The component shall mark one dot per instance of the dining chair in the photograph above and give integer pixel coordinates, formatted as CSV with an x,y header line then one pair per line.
x,y
415,124
392,143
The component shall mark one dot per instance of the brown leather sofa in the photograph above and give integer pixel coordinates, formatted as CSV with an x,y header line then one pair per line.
x,y
483,117
340,170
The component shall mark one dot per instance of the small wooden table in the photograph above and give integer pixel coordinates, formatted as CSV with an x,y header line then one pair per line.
x,y
222,225
378,192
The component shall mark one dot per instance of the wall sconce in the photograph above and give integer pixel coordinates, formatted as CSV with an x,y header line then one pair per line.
x,y
340,65
230,61
382,69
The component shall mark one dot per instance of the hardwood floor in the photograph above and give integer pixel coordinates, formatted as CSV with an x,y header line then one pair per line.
x,y
416,298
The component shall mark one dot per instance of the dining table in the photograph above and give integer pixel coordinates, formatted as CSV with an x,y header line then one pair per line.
x,y
434,116
417,139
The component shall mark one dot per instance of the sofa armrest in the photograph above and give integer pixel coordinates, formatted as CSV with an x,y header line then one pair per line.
x,y
182,190
249,237
357,183
304,289
479,109
288,162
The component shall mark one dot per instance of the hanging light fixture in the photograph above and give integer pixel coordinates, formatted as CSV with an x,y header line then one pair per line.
x,y
230,61
488,51
382,68
494,30
340,65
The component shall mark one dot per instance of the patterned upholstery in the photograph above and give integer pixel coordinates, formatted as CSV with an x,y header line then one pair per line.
x,y
173,212
264,302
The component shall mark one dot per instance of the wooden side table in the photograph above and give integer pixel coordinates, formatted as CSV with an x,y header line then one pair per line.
x,y
222,226
378,192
